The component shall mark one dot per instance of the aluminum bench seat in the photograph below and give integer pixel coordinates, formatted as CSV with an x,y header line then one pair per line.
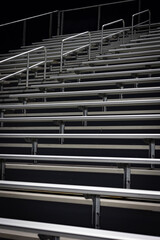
x,y
115,67
82,190
87,93
103,75
143,117
81,136
145,39
132,49
78,85
59,231
75,104
79,159
122,60
144,43
129,54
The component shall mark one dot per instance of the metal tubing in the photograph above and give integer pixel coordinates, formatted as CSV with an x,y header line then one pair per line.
x,y
96,212
81,136
77,49
24,33
108,24
127,176
140,23
2,169
28,67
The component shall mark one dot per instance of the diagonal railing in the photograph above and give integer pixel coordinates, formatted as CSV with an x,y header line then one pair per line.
x,y
112,34
141,22
28,67
76,49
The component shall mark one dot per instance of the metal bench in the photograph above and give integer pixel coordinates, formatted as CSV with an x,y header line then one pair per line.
x,y
55,231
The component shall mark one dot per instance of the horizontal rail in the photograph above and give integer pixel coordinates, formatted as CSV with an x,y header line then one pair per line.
x,y
108,36
81,136
53,230
140,23
88,93
77,49
75,104
28,67
76,189
140,117
82,159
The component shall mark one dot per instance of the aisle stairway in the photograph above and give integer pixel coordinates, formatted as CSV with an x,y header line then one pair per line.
x,y
100,115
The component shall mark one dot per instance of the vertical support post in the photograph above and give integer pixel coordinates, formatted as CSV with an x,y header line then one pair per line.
x,y
34,148
99,18
61,131
62,21
2,115
24,103
27,75
96,212
58,22
152,152
45,63
104,100
127,176
24,33
50,25
139,10
2,169
85,113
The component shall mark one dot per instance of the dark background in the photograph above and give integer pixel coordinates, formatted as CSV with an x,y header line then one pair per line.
x,y
143,222
75,21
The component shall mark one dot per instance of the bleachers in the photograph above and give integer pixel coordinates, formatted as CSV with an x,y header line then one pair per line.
x,y
89,112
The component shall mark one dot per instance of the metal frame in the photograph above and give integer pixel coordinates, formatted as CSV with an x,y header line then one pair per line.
x,y
28,67
141,23
82,136
113,34
76,49
99,6
124,163
24,21
55,231
89,192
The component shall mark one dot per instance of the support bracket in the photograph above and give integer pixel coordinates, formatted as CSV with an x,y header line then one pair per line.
x,y
126,175
2,169
95,210
45,237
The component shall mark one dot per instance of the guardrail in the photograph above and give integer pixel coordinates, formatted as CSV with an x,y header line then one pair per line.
x,y
140,23
24,21
77,49
60,18
28,67
112,34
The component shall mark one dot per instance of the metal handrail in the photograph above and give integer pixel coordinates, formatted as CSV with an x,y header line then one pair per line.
x,y
140,23
76,49
98,6
110,35
24,20
28,67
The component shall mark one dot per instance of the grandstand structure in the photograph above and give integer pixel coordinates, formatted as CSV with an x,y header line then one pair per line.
x,y
80,134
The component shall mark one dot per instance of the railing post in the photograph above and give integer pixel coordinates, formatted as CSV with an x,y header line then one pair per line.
x,y
24,33
61,60
89,48
139,10
27,75
62,22
50,25
45,62
99,18
58,23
